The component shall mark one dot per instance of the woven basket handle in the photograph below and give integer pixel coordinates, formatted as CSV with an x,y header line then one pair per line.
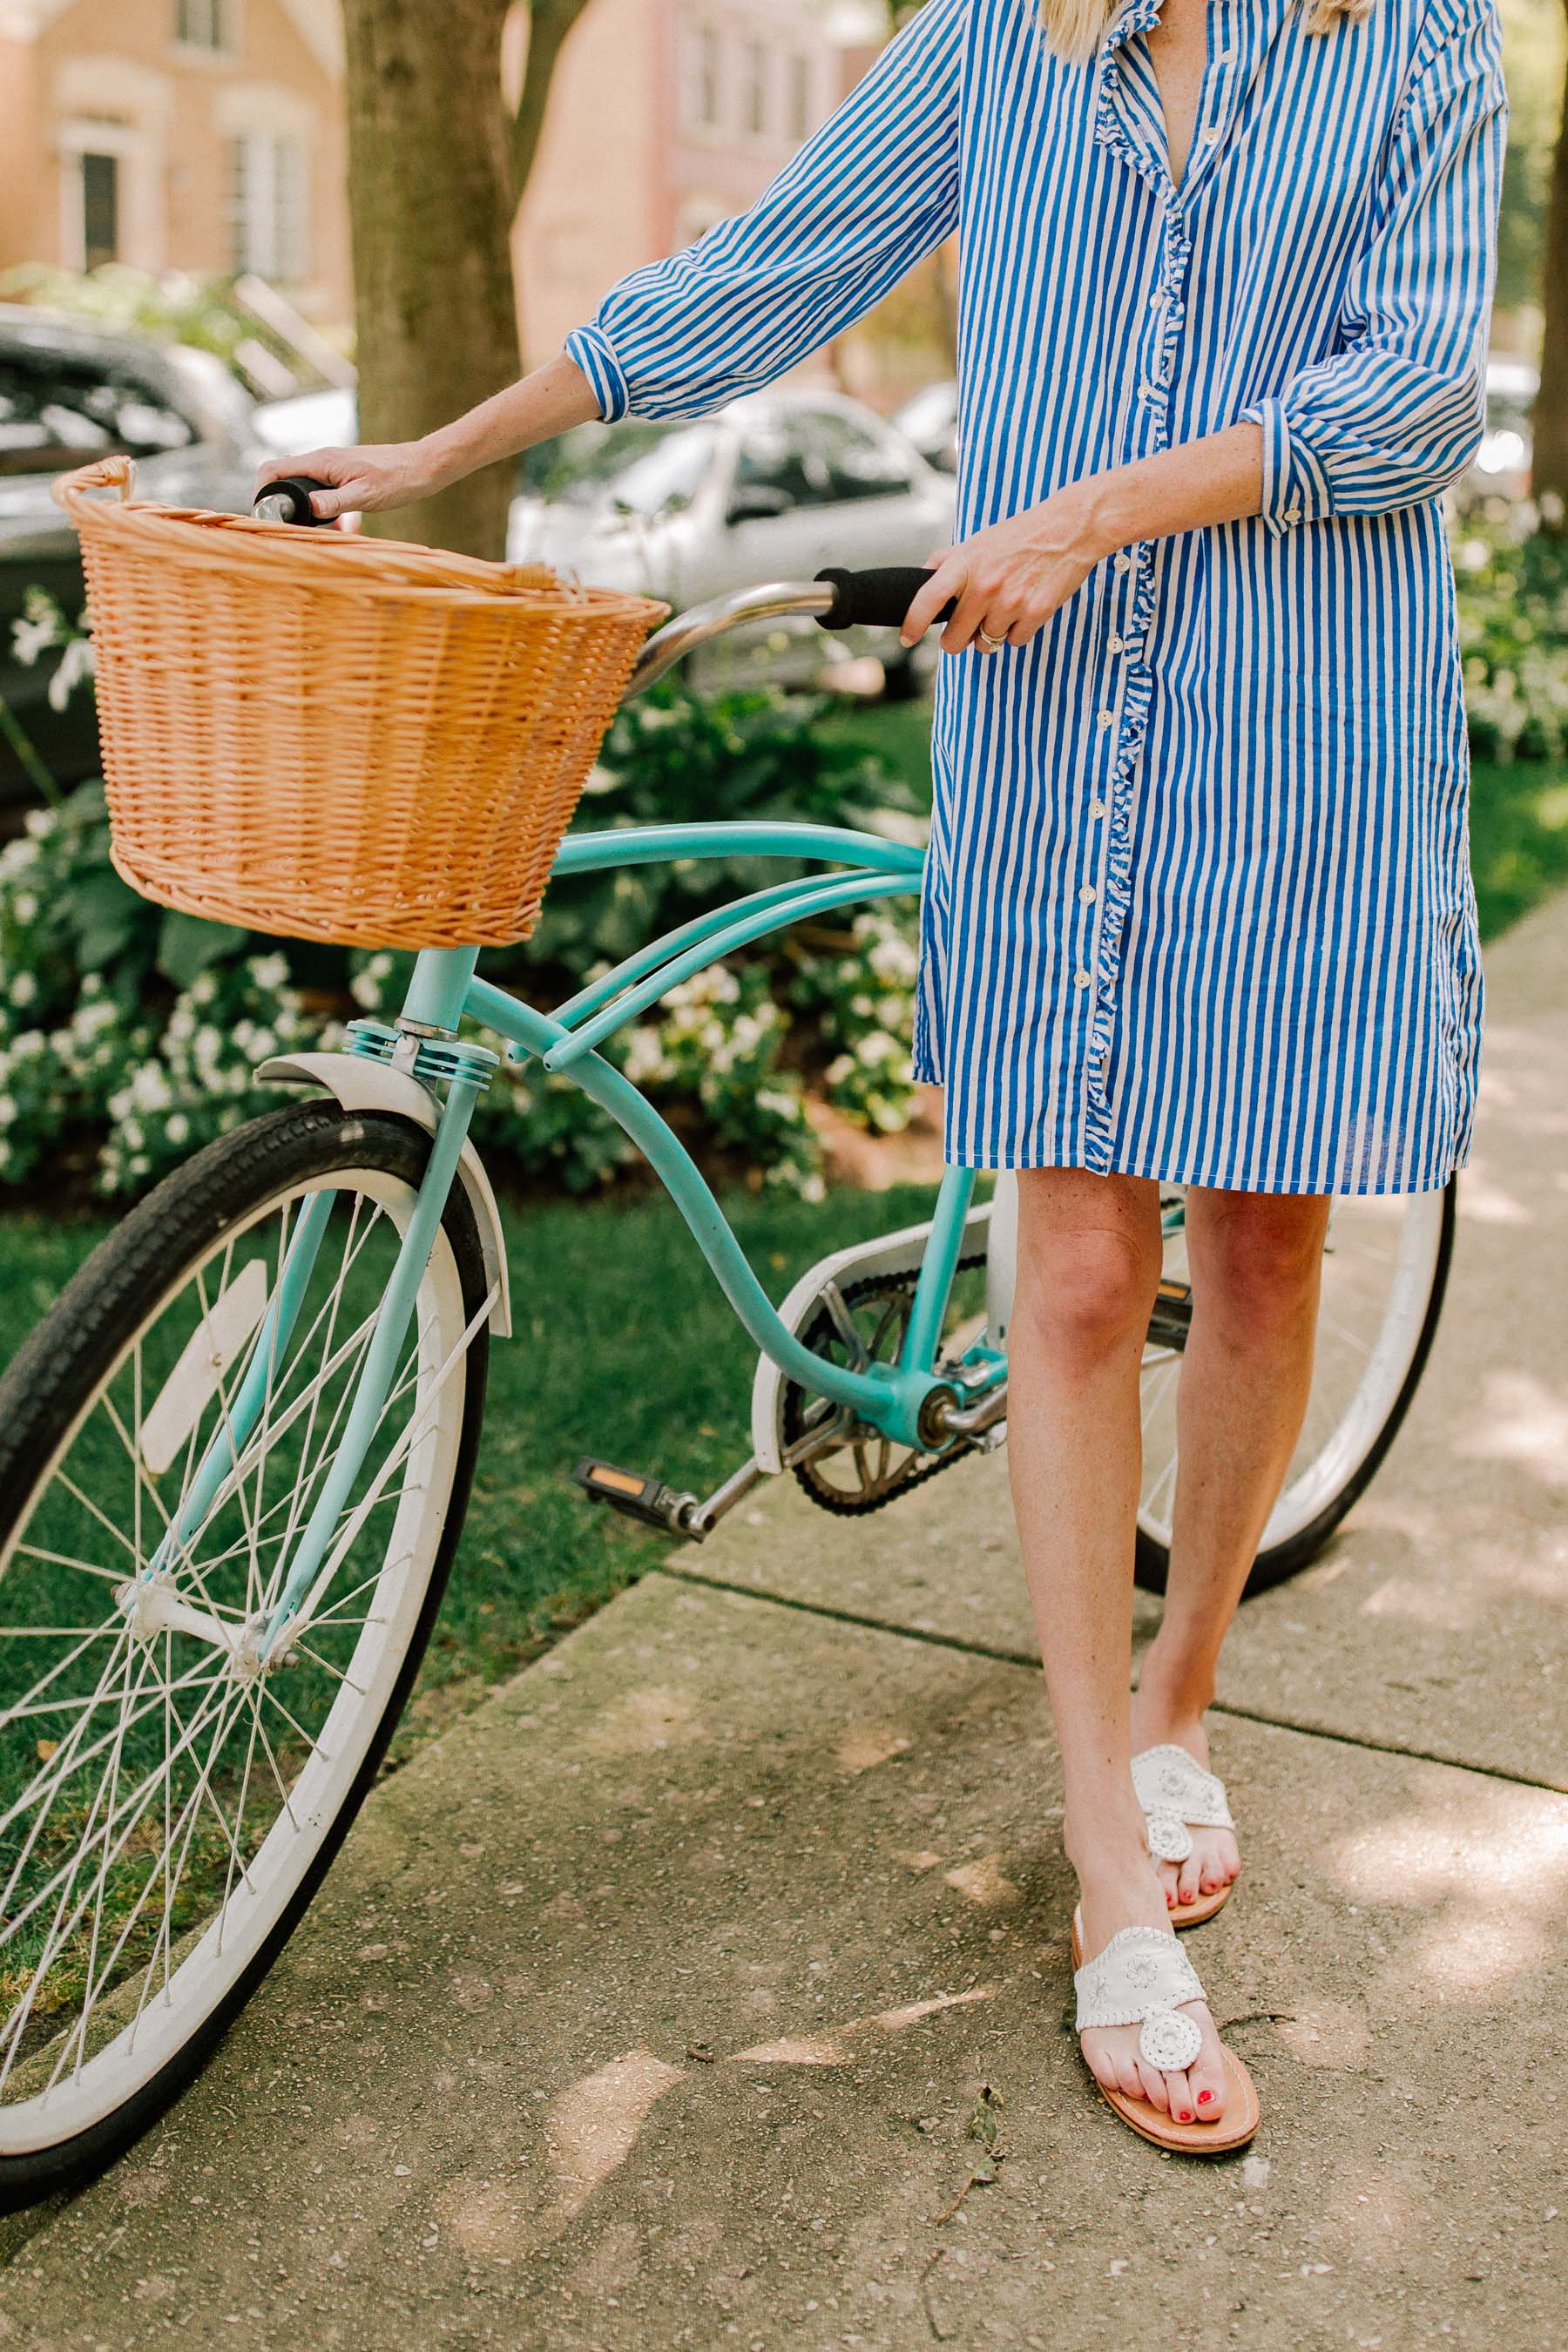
x,y
116,473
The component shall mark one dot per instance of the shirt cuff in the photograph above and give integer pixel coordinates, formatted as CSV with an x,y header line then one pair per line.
x,y
590,347
1295,487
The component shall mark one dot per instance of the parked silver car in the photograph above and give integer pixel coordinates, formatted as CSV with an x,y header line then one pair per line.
x,y
69,393
773,487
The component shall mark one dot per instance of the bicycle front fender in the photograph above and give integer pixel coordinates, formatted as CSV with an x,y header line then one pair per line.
x,y
360,1084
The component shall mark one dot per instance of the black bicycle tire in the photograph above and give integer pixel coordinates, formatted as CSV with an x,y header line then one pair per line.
x,y
1280,1561
62,1358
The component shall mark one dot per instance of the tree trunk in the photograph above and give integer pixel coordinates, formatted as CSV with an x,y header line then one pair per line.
x,y
549,23
430,200
1550,431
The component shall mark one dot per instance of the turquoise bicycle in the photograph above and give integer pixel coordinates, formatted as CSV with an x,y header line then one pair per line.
x,y
236,1454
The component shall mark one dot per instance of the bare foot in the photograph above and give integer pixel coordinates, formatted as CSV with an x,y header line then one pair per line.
x,y
1121,1891
1215,1858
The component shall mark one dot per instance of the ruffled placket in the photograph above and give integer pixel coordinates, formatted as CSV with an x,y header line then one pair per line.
x,y
1128,121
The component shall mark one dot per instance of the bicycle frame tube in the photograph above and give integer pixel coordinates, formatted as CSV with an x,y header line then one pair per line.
x,y
445,990
376,1374
226,1449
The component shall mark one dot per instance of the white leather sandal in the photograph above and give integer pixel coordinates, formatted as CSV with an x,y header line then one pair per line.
x,y
1177,1796
1144,1977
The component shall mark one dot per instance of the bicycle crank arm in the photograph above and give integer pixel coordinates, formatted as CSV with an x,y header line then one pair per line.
x,y
659,1506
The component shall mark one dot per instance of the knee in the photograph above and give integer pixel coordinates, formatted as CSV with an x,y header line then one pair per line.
x,y
1086,1295
1262,1274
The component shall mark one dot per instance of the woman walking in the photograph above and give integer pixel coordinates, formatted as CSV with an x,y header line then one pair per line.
x,y
1198,907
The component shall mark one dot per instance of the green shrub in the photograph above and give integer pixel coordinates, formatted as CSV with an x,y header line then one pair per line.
x,y
1512,582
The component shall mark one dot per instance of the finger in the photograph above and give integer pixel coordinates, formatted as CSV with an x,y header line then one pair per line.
x,y
981,611
340,498
945,582
968,616
995,628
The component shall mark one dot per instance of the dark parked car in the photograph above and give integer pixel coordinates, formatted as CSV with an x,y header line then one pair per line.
x,y
69,393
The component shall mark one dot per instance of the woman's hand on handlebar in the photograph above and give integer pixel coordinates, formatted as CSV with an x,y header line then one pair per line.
x,y
1006,582
361,481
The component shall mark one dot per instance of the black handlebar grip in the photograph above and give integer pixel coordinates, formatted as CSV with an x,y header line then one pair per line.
x,y
874,600
290,498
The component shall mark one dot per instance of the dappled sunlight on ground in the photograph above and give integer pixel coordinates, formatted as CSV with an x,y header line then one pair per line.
x,y
591,2127
837,2046
1486,1865
1519,1421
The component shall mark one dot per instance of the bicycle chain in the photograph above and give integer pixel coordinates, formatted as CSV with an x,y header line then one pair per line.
x,y
833,1498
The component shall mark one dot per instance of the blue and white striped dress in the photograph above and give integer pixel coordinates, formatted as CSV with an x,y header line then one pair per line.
x,y
1198,904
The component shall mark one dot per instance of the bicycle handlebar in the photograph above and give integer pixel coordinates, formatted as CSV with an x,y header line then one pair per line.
x,y
837,599
875,600
291,499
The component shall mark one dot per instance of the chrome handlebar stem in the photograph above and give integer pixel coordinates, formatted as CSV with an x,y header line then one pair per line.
x,y
688,630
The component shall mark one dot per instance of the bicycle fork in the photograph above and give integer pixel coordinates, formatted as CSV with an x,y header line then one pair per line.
x,y
321,1545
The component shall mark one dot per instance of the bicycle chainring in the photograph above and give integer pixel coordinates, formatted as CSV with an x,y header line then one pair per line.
x,y
873,1470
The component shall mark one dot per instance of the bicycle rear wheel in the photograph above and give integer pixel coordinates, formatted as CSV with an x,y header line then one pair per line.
x,y
1384,1273
168,1799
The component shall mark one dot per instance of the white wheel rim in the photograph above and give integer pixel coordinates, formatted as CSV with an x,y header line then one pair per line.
x,y
1380,1266
49,2094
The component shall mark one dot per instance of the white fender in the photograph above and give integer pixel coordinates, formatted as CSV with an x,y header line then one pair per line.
x,y
358,1083
1002,1260
897,1252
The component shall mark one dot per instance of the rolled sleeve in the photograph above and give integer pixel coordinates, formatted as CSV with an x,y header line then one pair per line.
x,y
1296,488
595,355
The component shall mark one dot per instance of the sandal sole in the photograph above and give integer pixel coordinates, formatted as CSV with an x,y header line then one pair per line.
x,y
1243,2112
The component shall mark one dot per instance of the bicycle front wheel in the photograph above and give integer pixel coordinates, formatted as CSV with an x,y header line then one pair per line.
x,y
1385,1269
170,1795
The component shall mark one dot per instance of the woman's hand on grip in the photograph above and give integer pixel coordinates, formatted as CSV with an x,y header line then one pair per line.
x,y
359,481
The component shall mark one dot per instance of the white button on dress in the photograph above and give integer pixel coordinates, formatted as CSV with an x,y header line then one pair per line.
x,y
1284,964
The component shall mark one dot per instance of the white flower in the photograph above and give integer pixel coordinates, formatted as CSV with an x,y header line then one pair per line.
x,y
645,1056
31,638
178,1129
76,664
150,1088
24,989
24,906
269,971
7,1110
41,823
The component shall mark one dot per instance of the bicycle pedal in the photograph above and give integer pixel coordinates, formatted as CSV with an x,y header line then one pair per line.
x,y
647,1499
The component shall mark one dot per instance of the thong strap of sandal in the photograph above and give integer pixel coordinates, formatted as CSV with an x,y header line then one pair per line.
x,y
1177,1796
1144,1977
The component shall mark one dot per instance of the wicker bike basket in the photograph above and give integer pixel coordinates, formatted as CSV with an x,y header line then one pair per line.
x,y
335,738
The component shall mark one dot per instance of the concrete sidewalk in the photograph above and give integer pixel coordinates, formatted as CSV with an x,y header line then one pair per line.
x,y
675,1997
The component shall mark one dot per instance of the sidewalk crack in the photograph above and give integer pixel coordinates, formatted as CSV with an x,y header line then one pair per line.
x,y
1004,1655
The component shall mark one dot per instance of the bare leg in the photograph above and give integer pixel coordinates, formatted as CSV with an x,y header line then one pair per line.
x,y
1256,1264
1089,1260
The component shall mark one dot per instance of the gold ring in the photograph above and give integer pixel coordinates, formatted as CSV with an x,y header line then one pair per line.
x,y
988,643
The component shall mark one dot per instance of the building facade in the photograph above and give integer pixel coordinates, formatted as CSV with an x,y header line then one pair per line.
x,y
204,135
207,135
666,116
